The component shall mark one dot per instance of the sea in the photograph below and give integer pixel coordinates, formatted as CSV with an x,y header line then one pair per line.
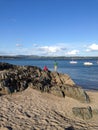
x,y
84,76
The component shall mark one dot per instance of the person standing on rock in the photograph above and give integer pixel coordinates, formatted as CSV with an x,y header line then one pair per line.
x,y
45,68
55,66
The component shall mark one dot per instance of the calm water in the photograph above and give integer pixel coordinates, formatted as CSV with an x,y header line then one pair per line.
x,y
85,76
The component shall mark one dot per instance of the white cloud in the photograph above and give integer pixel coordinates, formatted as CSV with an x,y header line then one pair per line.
x,y
73,52
92,47
52,50
45,50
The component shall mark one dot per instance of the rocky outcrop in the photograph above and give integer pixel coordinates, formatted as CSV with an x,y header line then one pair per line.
x,y
15,78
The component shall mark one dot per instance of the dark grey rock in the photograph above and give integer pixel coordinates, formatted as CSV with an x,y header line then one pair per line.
x,y
83,112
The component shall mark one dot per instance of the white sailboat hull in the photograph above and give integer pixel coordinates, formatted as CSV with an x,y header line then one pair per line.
x,y
88,63
73,62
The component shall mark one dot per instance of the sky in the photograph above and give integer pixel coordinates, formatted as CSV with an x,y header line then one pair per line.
x,y
49,27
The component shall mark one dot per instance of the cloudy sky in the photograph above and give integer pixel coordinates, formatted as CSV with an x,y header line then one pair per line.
x,y
49,27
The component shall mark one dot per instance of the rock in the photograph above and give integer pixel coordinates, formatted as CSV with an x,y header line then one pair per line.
x,y
55,90
95,111
5,128
75,92
6,66
83,112
69,128
59,78
4,90
15,78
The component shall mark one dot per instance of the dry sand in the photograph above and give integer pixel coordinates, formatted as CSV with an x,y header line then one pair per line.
x,y
33,110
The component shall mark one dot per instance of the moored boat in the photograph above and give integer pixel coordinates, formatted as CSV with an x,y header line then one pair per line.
x,y
88,63
73,62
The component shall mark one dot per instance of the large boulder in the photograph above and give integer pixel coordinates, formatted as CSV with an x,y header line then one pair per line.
x,y
64,85
75,92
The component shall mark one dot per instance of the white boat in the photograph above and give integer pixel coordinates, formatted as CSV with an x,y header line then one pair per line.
x,y
88,63
73,62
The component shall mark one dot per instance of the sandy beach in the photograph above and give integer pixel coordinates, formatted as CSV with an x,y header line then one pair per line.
x,y
34,110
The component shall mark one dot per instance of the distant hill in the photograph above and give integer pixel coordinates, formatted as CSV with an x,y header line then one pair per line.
x,y
46,57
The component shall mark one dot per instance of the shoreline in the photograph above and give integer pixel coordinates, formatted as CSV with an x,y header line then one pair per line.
x,y
92,90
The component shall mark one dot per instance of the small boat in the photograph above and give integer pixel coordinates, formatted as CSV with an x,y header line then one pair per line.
x,y
88,63
73,62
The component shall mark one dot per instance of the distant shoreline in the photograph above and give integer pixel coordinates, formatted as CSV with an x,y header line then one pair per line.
x,y
47,57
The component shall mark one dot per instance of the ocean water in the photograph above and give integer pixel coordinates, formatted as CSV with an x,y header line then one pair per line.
x,y
84,76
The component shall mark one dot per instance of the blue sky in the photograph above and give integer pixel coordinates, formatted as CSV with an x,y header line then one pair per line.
x,y
49,27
